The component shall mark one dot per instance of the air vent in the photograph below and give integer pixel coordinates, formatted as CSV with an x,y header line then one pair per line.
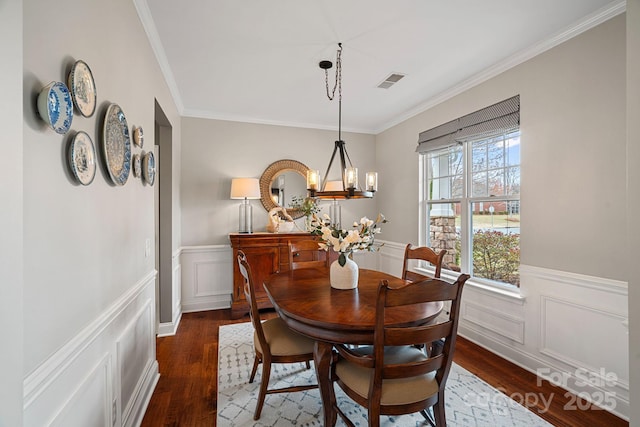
x,y
390,80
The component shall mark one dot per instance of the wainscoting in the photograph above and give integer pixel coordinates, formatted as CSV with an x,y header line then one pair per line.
x,y
568,328
106,374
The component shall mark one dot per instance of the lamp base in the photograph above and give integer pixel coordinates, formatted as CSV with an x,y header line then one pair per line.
x,y
245,217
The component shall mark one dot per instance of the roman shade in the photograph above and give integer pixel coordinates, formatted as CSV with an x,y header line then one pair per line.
x,y
496,119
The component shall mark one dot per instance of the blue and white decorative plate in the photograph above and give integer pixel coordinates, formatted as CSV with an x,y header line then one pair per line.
x,y
55,107
82,158
116,145
83,88
149,168
137,165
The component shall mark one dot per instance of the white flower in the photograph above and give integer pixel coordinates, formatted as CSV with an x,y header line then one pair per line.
x,y
360,238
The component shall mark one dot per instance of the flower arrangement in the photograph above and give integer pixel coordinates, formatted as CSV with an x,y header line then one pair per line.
x,y
360,238
306,205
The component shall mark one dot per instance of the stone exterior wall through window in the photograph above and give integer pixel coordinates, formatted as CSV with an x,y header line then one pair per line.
x,y
442,235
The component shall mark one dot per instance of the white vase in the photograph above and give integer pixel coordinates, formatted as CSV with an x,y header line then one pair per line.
x,y
344,276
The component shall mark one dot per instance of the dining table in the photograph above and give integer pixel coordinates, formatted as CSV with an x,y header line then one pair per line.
x,y
308,304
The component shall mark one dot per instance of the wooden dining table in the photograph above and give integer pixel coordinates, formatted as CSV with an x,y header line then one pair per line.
x,y
308,304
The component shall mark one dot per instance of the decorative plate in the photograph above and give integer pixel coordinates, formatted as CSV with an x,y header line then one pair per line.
x,y
149,168
83,88
82,158
137,165
116,145
55,107
138,136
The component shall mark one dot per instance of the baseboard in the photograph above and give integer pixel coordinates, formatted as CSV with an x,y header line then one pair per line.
x,y
170,328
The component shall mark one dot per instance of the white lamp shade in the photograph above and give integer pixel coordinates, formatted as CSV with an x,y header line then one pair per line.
x,y
333,186
245,188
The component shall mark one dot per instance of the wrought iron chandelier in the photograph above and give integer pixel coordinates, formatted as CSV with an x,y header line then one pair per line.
x,y
350,188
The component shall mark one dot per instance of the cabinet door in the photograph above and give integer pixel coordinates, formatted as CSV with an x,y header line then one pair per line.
x,y
264,261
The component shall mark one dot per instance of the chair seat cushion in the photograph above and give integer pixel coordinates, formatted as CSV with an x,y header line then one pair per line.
x,y
282,340
394,391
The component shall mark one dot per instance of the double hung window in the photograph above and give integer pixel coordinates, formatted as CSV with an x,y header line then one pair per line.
x,y
470,193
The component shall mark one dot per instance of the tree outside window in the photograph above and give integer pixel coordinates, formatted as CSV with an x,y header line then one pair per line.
x,y
472,206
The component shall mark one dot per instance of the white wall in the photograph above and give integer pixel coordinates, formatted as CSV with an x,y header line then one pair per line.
x,y
573,257
214,152
11,181
88,284
633,202
573,133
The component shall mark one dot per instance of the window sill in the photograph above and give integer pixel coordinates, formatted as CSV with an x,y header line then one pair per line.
x,y
512,295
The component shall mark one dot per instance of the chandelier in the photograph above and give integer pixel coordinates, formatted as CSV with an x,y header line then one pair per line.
x,y
350,189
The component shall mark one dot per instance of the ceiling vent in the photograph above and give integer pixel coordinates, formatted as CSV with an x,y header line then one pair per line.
x,y
390,80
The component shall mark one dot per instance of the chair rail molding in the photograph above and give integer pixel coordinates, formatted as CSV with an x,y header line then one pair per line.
x,y
550,326
111,360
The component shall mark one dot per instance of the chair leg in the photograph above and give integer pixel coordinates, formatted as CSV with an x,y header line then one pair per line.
x,y
308,364
256,362
427,416
264,385
438,411
374,418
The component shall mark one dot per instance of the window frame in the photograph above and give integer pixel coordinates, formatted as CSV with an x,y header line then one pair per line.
x,y
466,202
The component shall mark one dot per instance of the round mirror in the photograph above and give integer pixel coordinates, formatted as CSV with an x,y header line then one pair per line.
x,y
281,182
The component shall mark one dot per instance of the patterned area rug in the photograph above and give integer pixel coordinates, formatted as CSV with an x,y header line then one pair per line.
x,y
470,402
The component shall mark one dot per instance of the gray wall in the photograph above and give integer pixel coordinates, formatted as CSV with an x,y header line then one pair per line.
x,y
84,247
573,150
214,152
11,276
633,192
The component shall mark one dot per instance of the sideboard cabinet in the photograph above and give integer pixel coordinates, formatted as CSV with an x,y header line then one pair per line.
x,y
267,253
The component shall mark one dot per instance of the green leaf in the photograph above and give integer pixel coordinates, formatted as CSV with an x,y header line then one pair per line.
x,y
342,259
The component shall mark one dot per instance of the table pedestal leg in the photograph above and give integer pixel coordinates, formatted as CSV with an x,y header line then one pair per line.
x,y
322,357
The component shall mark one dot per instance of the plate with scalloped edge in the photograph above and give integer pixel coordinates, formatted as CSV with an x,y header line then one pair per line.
x,y
116,145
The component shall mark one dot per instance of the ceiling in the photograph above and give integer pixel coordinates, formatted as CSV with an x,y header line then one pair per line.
x,y
257,61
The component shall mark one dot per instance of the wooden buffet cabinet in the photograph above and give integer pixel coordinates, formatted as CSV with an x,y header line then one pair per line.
x,y
267,253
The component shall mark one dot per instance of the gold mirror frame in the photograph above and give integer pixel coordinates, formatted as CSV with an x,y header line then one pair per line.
x,y
269,173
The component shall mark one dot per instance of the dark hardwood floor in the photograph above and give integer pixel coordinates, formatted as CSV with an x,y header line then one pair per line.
x,y
186,394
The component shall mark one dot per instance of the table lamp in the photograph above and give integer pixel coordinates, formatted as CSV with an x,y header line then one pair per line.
x,y
245,189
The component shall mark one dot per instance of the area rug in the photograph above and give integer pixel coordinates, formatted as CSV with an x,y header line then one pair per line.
x,y
470,402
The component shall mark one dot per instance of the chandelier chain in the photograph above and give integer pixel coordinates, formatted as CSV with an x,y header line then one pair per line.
x,y
338,83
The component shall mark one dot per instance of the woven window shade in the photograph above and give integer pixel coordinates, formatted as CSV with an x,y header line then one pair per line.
x,y
496,119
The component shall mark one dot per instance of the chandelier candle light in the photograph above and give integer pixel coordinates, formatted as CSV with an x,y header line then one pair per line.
x,y
349,188
245,189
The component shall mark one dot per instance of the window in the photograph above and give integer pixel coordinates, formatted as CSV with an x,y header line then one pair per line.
x,y
470,201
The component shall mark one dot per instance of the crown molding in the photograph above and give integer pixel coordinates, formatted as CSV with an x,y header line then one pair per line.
x,y
204,114
614,8
144,13
604,14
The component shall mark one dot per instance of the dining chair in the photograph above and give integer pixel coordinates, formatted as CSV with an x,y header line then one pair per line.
x,y
393,377
421,253
307,254
274,342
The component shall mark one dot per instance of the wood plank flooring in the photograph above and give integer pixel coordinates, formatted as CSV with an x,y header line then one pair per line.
x,y
186,394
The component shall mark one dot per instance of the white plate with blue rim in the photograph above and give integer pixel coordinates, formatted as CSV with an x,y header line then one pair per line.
x,y
83,88
82,158
116,145
149,168
56,107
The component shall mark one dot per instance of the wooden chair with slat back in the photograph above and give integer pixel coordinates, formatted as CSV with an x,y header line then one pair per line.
x,y
393,377
421,253
274,342
307,254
